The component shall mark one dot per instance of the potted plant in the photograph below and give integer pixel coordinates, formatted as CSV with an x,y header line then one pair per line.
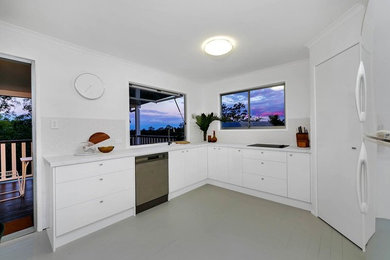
x,y
204,121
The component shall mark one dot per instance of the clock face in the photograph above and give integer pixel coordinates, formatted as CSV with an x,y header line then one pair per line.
x,y
89,86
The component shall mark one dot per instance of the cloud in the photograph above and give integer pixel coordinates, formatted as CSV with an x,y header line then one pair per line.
x,y
160,114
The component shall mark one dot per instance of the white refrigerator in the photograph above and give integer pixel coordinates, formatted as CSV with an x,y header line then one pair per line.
x,y
345,112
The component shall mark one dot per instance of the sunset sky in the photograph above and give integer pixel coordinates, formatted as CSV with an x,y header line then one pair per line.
x,y
160,114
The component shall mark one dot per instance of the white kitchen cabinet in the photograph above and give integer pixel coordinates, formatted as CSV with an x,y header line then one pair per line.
x,y
225,164
177,168
235,166
218,163
265,171
265,168
265,183
187,167
86,197
298,172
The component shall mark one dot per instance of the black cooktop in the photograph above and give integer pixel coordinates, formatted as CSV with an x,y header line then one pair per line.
x,y
269,145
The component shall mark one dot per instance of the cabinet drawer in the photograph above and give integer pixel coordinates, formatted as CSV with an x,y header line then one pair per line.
x,y
265,155
83,214
265,183
85,170
74,192
265,168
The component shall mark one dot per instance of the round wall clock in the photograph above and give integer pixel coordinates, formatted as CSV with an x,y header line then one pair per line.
x,y
89,86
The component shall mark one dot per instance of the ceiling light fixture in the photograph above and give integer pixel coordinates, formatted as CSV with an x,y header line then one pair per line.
x,y
218,45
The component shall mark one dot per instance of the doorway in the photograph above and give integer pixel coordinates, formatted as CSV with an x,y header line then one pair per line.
x,y
16,148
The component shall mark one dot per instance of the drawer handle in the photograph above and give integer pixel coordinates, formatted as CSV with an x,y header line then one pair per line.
x,y
239,150
291,155
262,162
100,164
101,201
100,179
262,179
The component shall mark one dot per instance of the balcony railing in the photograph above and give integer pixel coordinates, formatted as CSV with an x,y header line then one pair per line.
x,y
10,153
150,139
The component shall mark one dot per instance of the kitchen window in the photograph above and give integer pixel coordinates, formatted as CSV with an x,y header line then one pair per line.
x,y
156,116
259,108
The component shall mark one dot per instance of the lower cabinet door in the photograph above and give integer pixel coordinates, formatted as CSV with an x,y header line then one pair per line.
x,y
83,214
266,184
299,176
177,168
235,167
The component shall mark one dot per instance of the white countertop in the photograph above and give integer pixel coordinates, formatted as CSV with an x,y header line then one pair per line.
x,y
62,160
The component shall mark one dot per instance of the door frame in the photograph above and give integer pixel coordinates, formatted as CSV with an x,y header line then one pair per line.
x,y
34,126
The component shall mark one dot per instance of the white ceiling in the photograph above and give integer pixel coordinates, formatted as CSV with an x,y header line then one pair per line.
x,y
168,34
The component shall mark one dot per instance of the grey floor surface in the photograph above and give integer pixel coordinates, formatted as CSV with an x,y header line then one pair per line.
x,y
207,223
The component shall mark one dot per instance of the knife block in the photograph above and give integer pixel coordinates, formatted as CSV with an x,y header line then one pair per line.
x,y
303,140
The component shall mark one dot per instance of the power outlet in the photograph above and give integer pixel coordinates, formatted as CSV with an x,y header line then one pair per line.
x,y
54,124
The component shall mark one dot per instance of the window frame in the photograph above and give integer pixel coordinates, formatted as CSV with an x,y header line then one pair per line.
x,y
148,87
248,90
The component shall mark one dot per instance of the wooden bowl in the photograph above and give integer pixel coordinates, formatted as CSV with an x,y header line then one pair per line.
x,y
106,149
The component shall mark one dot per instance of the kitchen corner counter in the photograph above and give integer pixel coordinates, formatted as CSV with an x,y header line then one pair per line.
x,y
62,160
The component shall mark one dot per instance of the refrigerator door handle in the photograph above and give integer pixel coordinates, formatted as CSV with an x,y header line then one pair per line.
x,y
361,92
362,180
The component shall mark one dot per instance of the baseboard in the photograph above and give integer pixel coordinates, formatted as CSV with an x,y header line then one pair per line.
x,y
262,195
180,192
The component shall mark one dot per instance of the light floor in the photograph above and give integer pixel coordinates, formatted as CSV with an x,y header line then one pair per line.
x,y
207,223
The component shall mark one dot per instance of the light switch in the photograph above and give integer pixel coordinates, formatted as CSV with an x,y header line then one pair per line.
x,y
54,124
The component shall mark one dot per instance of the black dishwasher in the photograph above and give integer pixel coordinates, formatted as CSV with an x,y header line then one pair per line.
x,y
151,181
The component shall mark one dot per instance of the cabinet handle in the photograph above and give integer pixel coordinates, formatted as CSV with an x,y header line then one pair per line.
x,y
100,164
100,179
262,152
239,150
362,180
262,179
262,162
361,93
101,201
291,155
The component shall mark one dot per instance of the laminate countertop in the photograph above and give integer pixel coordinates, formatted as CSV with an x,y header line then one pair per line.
x,y
62,160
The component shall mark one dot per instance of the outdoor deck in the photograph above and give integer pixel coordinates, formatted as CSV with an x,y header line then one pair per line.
x,y
16,214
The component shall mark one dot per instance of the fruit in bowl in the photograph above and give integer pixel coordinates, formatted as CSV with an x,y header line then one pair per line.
x,y
106,149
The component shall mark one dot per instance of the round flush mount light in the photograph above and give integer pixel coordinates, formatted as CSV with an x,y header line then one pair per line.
x,y
218,45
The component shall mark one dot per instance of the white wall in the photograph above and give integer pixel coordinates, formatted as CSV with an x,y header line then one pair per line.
x,y
296,76
381,69
57,65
